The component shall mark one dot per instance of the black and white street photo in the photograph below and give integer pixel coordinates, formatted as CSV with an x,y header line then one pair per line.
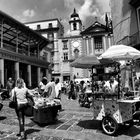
x,y
69,70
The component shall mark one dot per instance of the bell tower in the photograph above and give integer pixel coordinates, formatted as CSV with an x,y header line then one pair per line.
x,y
75,24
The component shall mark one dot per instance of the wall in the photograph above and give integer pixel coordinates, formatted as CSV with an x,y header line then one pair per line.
x,y
124,19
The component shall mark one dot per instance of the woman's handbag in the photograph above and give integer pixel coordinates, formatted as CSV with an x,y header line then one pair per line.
x,y
13,103
1,106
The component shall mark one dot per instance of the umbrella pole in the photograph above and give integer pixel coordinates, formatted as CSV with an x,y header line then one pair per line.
x,y
92,79
119,81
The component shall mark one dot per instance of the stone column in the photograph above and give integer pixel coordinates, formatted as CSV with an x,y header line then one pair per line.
x,y
109,41
87,44
48,75
16,70
38,75
2,71
84,46
92,46
1,34
104,43
29,75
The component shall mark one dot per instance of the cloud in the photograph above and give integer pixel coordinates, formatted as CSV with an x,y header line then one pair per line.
x,y
29,13
104,5
70,4
88,9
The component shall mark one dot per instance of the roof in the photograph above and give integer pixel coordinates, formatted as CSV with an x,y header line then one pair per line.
x,y
95,28
45,20
13,30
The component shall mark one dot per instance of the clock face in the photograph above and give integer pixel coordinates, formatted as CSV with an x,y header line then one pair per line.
x,y
75,44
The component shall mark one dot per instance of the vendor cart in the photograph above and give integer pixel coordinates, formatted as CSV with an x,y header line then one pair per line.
x,y
122,106
45,110
115,108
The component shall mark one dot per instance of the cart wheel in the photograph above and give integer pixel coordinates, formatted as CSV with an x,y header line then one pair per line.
x,y
109,125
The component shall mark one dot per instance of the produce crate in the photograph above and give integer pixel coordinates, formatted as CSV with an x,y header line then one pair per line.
x,y
46,115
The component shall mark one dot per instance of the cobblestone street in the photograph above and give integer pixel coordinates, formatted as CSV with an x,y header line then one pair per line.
x,y
74,123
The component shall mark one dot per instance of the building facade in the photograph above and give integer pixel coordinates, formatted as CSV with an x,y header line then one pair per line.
x,y
21,52
126,23
51,29
91,41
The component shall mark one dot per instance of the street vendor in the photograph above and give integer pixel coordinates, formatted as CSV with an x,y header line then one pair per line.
x,y
42,85
111,86
49,90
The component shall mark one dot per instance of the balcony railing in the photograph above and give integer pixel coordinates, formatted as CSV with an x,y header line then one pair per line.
x,y
132,40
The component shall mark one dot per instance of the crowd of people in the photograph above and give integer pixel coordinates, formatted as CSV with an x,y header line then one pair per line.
x,y
53,90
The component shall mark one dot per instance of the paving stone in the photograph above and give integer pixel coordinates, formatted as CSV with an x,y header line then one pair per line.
x,y
75,128
67,116
68,139
10,138
31,124
71,122
61,115
64,127
55,138
39,138
57,124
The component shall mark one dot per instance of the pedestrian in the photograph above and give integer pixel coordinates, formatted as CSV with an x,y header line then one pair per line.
x,y
58,89
42,85
49,90
71,90
21,94
9,85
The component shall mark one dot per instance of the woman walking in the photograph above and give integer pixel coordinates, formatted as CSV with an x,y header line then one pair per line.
x,y
20,92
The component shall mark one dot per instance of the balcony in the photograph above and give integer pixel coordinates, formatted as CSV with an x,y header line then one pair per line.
x,y
132,40
23,52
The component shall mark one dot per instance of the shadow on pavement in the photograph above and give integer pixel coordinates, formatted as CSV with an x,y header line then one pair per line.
x,y
122,130
132,131
2,118
53,123
30,131
90,124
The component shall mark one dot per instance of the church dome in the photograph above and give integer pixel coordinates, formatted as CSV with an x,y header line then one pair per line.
x,y
74,14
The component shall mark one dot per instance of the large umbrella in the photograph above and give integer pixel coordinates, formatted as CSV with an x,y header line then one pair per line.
x,y
86,62
121,52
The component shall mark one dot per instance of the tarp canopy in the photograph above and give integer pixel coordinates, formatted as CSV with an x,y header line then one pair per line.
x,y
121,52
87,62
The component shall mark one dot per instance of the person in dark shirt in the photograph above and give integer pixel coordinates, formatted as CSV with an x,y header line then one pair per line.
x,y
10,85
70,94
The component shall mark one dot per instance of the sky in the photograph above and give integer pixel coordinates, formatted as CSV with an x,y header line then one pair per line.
x,y
35,10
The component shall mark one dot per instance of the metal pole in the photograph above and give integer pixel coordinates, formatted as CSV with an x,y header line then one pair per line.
x,y
119,80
